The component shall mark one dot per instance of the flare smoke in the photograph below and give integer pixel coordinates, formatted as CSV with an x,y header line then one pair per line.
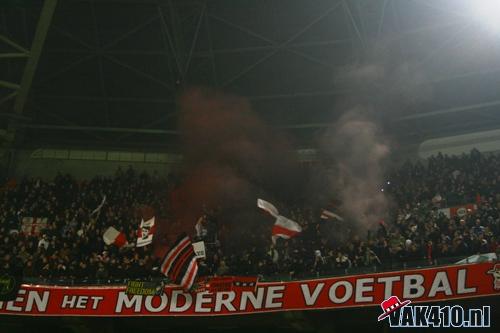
x,y
356,144
231,158
358,153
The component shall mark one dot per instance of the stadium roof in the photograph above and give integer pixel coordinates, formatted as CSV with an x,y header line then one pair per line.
x,y
109,71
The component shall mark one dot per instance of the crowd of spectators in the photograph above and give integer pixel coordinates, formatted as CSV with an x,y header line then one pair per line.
x,y
416,233
71,244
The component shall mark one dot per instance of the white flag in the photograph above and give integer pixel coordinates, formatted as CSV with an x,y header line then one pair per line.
x,y
326,215
201,230
268,207
484,257
98,209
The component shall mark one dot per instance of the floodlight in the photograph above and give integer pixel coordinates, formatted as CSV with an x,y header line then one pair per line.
x,y
488,12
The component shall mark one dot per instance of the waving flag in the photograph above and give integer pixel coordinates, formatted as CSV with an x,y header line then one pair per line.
x,y
201,230
179,264
285,228
146,232
113,236
98,209
268,207
327,215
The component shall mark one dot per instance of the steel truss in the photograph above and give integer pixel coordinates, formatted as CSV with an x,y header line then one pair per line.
x,y
190,52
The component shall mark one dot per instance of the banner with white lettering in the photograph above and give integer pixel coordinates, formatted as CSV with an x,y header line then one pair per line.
x,y
422,285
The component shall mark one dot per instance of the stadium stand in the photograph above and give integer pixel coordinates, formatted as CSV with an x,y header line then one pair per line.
x,y
70,247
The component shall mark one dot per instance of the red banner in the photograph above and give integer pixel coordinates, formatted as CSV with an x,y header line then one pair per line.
x,y
422,285
459,211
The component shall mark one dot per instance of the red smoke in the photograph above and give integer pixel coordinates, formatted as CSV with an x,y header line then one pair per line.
x,y
231,157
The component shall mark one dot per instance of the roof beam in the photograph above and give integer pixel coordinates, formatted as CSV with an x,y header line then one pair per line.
x,y
275,46
13,44
464,108
201,54
173,38
107,99
354,25
42,28
138,72
9,85
12,55
100,129
279,46
8,97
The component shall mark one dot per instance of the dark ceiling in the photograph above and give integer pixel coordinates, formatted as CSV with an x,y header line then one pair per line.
x,y
110,71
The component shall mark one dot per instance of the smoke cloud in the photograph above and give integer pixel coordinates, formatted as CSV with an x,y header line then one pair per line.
x,y
231,158
357,152
356,146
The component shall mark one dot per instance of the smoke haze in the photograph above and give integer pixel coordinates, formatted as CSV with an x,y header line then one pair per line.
x,y
356,146
358,152
231,158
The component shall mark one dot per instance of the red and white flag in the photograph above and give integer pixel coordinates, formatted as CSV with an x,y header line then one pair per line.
x,y
459,211
327,215
285,228
32,226
179,264
268,207
146,232
115,237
